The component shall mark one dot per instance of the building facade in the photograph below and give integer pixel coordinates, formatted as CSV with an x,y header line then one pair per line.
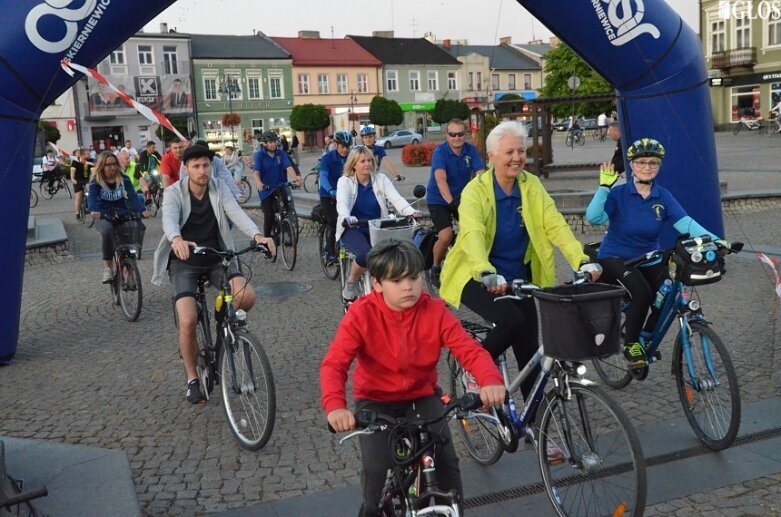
x,y
742,46
154,69
249,76
62,115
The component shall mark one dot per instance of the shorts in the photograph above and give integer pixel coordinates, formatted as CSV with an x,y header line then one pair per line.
x,y
79,187
441,216
184,277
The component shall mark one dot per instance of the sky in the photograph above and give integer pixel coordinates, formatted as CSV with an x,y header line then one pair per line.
x,y
482,22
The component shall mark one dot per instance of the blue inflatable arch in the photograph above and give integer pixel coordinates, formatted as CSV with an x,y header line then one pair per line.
x,y
641,47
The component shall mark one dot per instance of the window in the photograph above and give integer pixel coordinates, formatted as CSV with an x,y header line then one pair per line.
x,y
145,56
169,60
717,36
471,81
527,81
479,81
391,81
745,102
742,32
341,83
452,81
275,87
118,56
210,88
253,88
363,83
433,80
322,83
414,80
495,82
303,84
510,81
774,30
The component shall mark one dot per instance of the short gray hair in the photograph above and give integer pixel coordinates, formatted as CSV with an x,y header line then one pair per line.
x,y
509,127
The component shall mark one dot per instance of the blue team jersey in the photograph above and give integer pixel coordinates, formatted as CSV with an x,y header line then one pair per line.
x,y
459,168
331,168
637,223
379,154
273,170
511,239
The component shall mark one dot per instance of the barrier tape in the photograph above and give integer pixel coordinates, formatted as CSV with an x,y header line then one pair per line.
x,y
59,150
146,111
773,263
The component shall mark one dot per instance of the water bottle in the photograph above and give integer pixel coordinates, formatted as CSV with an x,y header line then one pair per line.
x,y
665,288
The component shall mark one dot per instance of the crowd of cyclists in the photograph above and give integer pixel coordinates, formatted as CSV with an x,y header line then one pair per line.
x,y
508,229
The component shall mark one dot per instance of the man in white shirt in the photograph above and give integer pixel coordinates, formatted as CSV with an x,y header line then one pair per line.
x,y
602,125
131,151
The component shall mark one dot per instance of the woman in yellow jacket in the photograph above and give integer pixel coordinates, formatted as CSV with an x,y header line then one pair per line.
x,y
508,227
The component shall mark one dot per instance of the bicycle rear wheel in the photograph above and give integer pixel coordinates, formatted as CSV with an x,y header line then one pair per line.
x,y
246,189
569,140
711,399
129,286
581,140
481,436
288,243
330,268
613,370
33,198
601,469
312,182
202,366
43,187
67,189
248,392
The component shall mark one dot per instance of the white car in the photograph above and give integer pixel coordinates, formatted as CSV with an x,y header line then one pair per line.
x,y
400,138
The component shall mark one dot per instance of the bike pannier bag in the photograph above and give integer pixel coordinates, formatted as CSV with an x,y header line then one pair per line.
x,y
696,261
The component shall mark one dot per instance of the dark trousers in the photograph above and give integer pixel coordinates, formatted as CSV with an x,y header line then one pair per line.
x,y
642,284
329,212
52,175
106,229
267,205
358,242
375,455
515,324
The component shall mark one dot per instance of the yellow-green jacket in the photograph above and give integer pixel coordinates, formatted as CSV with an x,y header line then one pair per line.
x,y
477,227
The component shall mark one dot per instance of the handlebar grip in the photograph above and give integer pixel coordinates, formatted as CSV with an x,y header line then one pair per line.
x,y
469,402
263,249
331,429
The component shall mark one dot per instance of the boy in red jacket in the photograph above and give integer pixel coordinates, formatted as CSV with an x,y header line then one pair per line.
x,y
397,334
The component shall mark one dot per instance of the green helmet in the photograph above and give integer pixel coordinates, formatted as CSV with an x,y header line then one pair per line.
x,y
645,147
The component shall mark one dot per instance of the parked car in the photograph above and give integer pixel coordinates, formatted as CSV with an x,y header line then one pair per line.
x,y
560,126
400,138
587,124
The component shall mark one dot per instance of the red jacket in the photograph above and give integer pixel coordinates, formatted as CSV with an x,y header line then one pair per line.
x,y
397,352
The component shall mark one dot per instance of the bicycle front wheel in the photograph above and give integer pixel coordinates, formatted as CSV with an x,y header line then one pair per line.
x,y
330,267
707,386
67,189
569,141
312,182
288,243
43,187
246,189
33,198
481,436
581,140
589,455
129,286
203,366
248,392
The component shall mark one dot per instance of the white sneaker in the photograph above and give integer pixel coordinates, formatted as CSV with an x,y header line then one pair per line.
x,y
349,292
470,383
108,275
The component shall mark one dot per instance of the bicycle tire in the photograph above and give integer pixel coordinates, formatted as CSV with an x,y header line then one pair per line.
x,y
480,436
33,198
737,128
205,371
432,289
246,189
330,269
312,182
129,288
714,418
580,140
67,189
288,244
251,411
83,209
150,206
597,431
613,370
569,141
43,187
345,266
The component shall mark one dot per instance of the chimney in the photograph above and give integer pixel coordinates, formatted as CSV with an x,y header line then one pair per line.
x,y
163,28
507,40
554,41
309,34
382,34
446,44
535,42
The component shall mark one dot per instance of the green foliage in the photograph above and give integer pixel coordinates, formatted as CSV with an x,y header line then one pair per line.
x,y
309,117
50,133
489,123
446,110
179,122
384,112
561,63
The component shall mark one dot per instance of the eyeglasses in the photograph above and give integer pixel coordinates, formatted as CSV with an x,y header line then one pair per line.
x,y
111,164
647,164
456,135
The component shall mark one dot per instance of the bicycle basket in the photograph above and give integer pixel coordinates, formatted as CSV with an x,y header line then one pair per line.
x,y
381,229
579,322
128,233
696,262
317,214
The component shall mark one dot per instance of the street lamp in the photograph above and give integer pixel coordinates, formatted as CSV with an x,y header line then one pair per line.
x,y
230,86
352,116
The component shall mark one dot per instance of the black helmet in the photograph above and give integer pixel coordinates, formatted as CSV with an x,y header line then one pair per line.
x,y
645,147
343,138
269,136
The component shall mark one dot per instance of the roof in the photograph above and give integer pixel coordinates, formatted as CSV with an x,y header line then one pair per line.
x,y
540,50
326,52
502,57
405,51
214,46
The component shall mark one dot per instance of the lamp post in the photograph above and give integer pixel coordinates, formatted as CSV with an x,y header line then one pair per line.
x,y
352,117
230,86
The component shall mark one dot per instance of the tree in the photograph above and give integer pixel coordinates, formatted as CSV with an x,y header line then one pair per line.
x,y
50,133
166,135
384,112
309,118
561,63
446,110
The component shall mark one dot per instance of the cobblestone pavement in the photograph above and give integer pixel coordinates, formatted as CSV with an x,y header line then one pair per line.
x,y
84,375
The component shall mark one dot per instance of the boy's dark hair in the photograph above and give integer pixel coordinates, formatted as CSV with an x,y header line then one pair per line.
x,y
393,259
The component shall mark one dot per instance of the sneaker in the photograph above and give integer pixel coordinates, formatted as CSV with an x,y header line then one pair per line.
x,y
435,272
635,354
108,275
194,394
78,217
470,383
349,292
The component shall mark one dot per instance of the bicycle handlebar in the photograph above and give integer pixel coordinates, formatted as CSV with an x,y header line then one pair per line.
x,y
591,250
386,223
229,254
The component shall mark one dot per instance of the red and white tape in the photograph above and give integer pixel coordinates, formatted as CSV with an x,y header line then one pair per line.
x,y
774,266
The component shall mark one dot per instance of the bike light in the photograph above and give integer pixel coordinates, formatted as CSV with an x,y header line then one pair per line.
x,y
155,172
581,370
696,257
694,305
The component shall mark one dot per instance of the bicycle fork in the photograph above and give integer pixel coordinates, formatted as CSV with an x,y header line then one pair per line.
x,y
697,383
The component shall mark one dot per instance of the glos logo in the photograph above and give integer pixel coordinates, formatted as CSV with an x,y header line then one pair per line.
x,y
623,28
69,17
